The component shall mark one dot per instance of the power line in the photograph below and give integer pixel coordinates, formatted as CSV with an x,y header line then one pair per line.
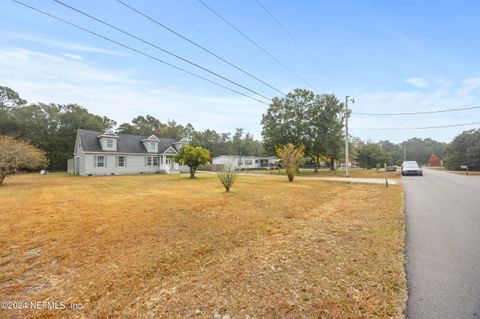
x,y
161,49
288,34
417,113
198,46
254,43
137,51
414,128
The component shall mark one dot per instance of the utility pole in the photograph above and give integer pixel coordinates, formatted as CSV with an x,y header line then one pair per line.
x,y
404,152
347,173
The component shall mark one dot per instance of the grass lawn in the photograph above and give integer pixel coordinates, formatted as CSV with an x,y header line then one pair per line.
x,y
325,172
462,172
164,246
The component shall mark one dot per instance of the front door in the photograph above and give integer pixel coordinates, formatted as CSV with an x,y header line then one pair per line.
x,y
169,162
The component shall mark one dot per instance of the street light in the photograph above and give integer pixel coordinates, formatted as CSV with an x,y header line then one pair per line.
x,y
347,98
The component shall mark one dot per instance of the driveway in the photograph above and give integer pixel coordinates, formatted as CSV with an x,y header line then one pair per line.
x,y
443,245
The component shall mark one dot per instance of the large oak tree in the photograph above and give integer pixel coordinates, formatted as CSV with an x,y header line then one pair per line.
x,y
305,118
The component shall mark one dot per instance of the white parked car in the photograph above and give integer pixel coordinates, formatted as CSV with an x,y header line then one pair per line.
x,y
411,168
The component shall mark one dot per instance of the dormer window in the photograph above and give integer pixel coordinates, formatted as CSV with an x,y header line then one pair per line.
x,y
108,141
151,144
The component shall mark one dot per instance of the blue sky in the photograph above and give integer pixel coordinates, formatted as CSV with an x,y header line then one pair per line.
x,y
390,56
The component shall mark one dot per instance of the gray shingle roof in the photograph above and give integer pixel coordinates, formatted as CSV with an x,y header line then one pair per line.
x,y
126,143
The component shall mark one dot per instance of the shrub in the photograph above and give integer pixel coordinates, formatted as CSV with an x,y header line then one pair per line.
x,y
193,157
16,154
228,174
290,156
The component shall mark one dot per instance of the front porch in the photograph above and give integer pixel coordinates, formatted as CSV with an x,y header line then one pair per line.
x,y
167,165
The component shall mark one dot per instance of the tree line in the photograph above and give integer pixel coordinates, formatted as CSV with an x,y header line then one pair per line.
x,y
371,155
238,143
302,118
464,150
52,128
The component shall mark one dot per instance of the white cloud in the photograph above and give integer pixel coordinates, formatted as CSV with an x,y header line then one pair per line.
x,y
58,43
73,56
470,85
418,82
119,95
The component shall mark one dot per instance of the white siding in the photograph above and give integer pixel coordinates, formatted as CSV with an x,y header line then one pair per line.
x,y
81,155
242,162
222,160
135,165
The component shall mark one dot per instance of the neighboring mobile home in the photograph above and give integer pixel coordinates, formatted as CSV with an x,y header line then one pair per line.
x,y
108,153
247,162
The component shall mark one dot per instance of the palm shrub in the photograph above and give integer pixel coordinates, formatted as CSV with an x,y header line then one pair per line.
x,y
290,156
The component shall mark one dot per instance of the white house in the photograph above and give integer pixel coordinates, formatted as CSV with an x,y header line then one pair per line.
x,y
108,153
247,162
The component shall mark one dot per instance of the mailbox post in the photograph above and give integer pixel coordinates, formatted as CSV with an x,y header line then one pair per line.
x,y
465,167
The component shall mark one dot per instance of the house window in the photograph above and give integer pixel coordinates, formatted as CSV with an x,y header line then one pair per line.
x,y
240,162
100,161
256,161
151,161
248,162
152,146
121,161
109,143
168,161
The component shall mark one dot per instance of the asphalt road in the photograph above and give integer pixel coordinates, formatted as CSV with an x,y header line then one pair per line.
x,y
443,245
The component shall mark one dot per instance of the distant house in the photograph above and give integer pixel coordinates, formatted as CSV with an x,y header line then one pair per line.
x,y
108,153
247,162
434,160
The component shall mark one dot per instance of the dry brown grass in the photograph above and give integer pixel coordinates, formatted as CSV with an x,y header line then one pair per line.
x,y
171,247
354,172
470,173
462,172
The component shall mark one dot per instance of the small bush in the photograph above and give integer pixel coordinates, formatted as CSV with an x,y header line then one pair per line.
x,y
228,174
